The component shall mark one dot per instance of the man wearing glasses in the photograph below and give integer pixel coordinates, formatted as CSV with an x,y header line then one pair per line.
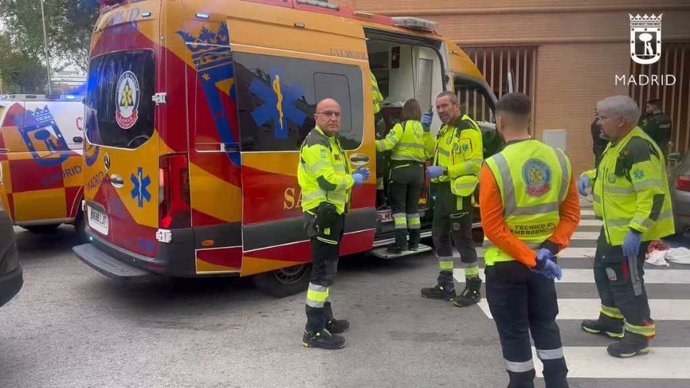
x,y
631,195
325,179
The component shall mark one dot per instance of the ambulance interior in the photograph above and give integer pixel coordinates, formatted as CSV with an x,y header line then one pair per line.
x,y
405,71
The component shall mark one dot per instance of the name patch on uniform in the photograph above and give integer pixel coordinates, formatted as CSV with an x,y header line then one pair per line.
x,y
537,177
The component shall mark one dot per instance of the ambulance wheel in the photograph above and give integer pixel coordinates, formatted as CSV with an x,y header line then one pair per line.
x,y
40,229
80,228
284,281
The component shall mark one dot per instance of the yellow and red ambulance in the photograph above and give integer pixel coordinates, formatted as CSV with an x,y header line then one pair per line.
x,y
195,113
41,142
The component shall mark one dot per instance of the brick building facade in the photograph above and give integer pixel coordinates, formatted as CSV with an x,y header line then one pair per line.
x,y
565,54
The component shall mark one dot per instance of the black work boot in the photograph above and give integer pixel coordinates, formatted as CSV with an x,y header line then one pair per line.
x,y
555,373
445,289
605,325
521,379
400,242
315,333
415,235
322,339
470,295
334,326
630,346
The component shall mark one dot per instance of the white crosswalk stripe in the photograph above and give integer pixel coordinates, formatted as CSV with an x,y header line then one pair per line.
x,y
586,354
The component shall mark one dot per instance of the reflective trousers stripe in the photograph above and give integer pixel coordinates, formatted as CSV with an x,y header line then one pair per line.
x,y
611,312
400,221
445,265
327,241
519,367
550,354
647,331
317,295
413,221
472,271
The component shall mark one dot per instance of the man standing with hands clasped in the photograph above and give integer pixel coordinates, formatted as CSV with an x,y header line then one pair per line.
x,y
631,195
324,177
530,210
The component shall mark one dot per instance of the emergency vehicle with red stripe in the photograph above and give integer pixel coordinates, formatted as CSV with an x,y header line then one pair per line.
x,y
41,166
195,113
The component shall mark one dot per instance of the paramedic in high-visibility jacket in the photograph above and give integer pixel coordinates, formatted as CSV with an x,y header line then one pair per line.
x,y
458,157
326,182
411,145
631,196
530,209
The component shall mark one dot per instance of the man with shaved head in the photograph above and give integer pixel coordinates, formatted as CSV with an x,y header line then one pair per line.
x,y
325,179
631,195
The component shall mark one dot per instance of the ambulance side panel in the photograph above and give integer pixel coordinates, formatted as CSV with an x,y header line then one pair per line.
x,y
285,62
42,166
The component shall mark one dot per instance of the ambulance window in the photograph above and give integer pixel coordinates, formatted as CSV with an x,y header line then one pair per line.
x,y
336,86
277,96
119,109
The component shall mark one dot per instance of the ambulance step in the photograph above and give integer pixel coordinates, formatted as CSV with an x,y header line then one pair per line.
x,y
384,254
108,265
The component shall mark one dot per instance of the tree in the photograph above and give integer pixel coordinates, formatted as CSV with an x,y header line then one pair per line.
x,y
69,24
20,71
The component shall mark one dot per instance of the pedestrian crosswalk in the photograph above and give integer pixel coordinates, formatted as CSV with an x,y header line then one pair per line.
x,y
669,298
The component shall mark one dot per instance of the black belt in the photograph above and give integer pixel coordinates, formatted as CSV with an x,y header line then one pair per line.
x,y
410,162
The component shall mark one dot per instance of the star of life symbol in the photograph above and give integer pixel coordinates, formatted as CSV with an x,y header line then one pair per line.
x,y
140,192
645,38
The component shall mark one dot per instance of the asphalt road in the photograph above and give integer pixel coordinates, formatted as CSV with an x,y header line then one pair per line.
x,y
72,327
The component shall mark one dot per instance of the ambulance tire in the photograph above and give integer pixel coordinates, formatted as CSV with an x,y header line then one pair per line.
x,y
284,281
80,228
42,229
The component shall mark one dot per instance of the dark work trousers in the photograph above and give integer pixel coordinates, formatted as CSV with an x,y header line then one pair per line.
x,y
614,279
324,263
451,223
406,182
523,301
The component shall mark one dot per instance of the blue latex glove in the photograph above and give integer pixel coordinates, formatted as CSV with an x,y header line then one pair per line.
x,y
549,269
631,244
364,171
434,171
426,121
359,178
582,184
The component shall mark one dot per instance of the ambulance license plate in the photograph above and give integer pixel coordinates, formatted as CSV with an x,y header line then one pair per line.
x,y
98,220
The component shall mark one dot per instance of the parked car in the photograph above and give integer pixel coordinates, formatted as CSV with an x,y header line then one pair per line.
x,y
11,279
680,190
